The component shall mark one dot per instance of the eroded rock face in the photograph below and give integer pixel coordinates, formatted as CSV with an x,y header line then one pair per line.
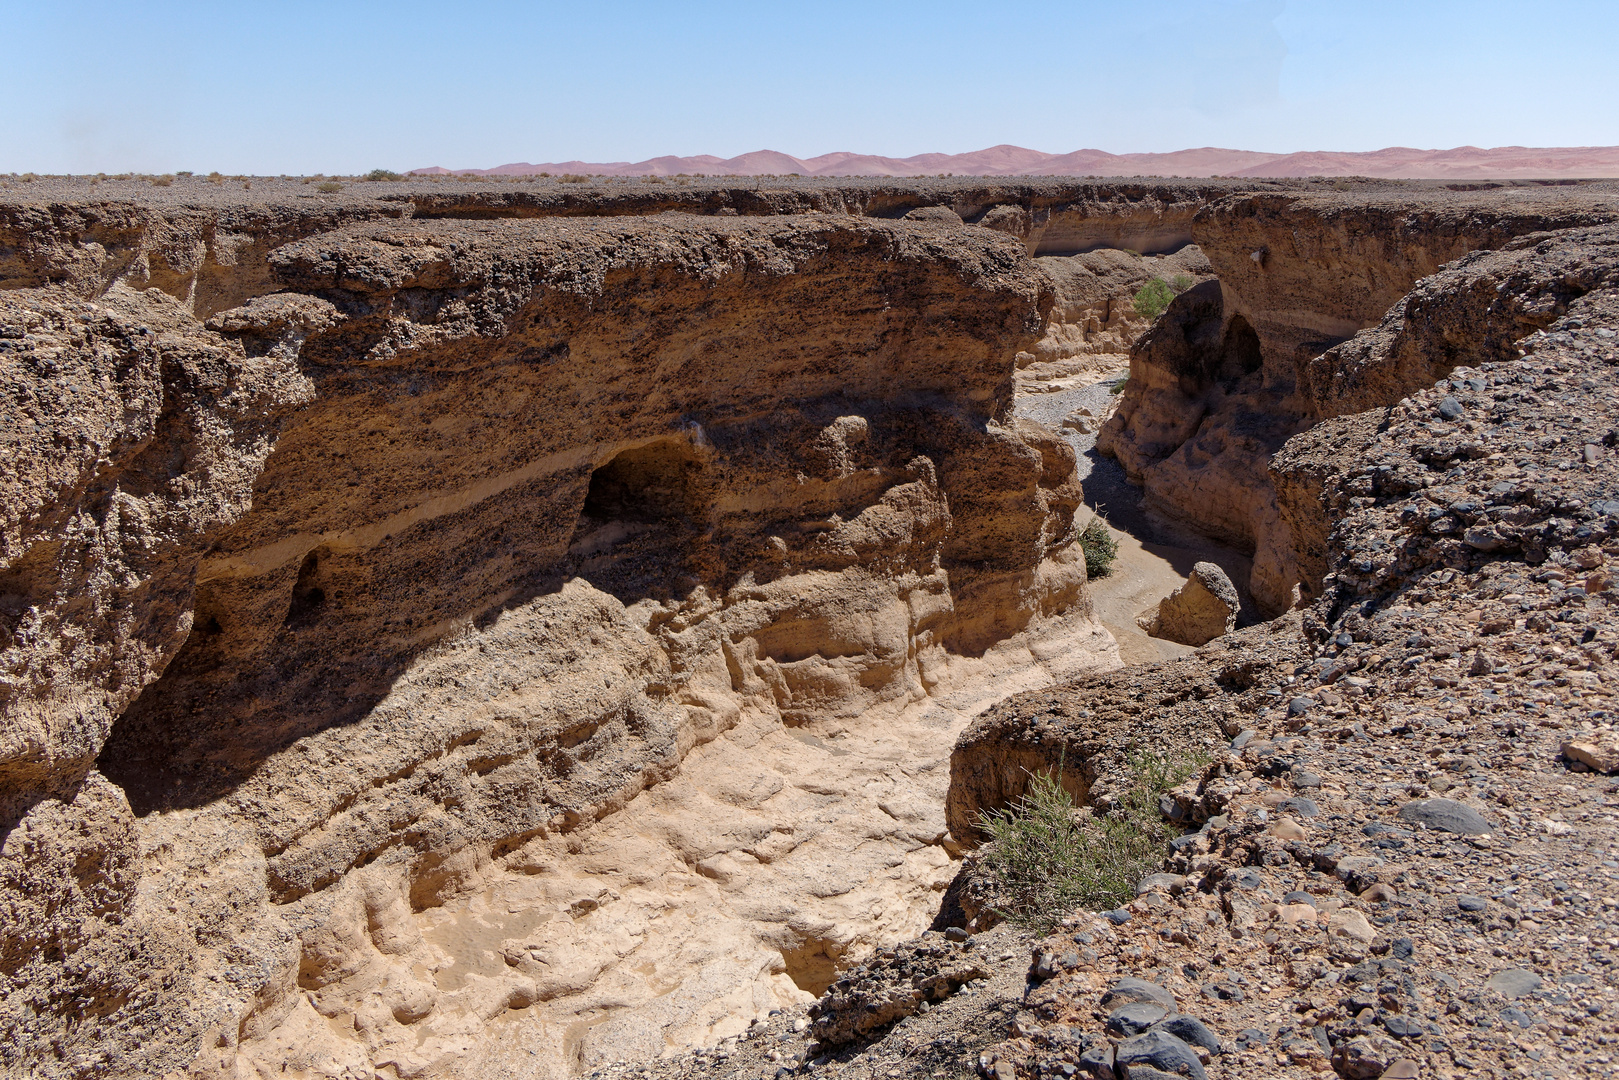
x,y
1231,372
550,503
1475,311
1093,321
1094,724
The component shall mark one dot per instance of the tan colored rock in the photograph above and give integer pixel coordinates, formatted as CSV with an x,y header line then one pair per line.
x,y
1093,322
1598,756
1199,611
1352,924
565,502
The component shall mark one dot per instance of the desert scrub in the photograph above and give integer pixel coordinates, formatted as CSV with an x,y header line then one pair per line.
x,y
1100,549
1050,857
382,174
330,187
1153,298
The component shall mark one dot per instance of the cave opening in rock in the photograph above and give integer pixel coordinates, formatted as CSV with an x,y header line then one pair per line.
x,y
1239,352
647,485
643,514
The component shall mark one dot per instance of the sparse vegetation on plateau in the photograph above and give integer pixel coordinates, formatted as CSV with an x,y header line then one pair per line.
x,y
1051,857
330,187
383,174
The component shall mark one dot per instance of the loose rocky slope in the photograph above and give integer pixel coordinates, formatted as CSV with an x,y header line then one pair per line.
x,y
1405,865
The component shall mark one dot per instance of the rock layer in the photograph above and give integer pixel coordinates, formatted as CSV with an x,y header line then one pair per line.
x,y
1230,373
549,504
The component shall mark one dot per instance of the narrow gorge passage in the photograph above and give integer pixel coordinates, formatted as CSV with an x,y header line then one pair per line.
x,y
508,633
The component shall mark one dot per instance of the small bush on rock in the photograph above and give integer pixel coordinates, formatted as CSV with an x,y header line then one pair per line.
x,y
1100,549
330,187
1051,857
1153,298
382,174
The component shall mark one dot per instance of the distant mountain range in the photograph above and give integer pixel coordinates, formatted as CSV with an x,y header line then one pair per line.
x,y
1396,162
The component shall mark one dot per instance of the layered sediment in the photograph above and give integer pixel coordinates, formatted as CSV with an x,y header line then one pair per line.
x,y
473,632
378,591
1231,372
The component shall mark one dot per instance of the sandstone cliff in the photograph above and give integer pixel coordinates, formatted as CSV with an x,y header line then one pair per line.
x,y
374,590
1229,373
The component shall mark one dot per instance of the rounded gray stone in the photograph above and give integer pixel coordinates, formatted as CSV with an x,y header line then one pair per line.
x,y
1136,1017
1445,814
1189,1030
1128,990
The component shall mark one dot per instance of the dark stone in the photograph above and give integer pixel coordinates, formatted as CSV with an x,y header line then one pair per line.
x,y
1118,916
955,933
1445,814
1223,991
1160,1050
1097,1062
1514,1015
1304,778
1242,738
1299,706
1189,1030
1135,1018
1402,948
1299,896
1127,991
1247,878
1450,409
1251,1037
1469,902
1402,1028
1301,806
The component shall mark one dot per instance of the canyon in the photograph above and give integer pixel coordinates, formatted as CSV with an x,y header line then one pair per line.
x,y
471,629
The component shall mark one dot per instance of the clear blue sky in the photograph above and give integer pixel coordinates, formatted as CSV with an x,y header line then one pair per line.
x,y
339,87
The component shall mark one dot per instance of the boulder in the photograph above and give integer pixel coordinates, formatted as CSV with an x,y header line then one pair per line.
x,y
1199,611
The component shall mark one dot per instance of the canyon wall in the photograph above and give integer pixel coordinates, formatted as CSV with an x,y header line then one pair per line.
x,y
381,589
1231,372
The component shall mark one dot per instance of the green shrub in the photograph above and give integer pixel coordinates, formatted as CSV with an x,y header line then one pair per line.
x,y
1050,857
382,174
1153,298
330,187
1116,387
1100,549
1180,283
162,181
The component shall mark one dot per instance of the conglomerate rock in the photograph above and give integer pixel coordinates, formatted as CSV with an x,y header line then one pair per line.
x,y
1404,867
1232,371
